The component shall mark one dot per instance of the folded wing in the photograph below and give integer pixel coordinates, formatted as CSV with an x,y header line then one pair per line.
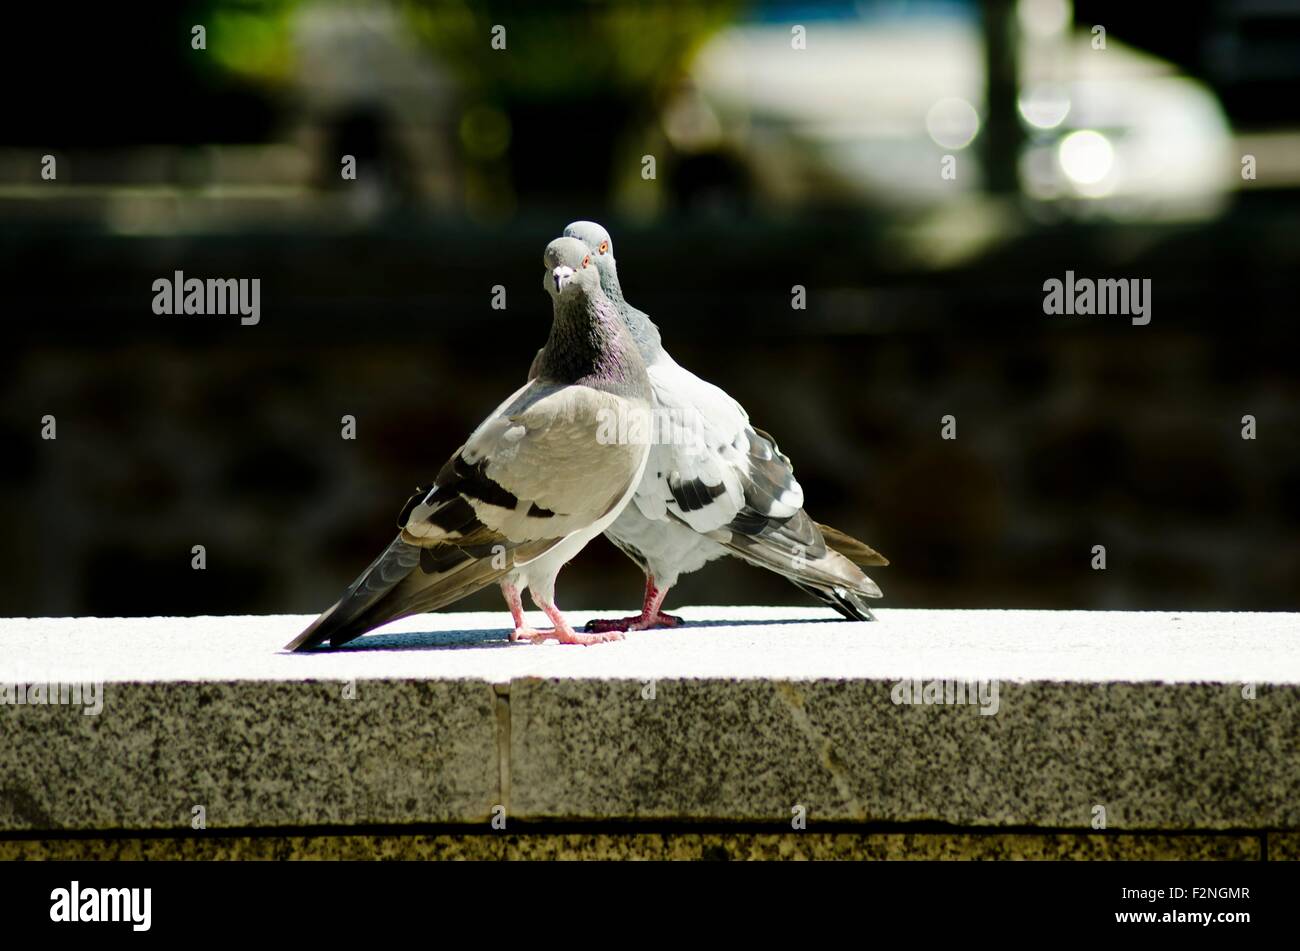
x,y
534,472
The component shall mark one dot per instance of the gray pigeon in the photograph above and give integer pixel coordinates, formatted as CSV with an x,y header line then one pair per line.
x,y
715,485
536,481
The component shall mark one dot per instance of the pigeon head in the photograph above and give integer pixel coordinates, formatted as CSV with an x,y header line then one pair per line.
x,y
601,245
595,237
569,269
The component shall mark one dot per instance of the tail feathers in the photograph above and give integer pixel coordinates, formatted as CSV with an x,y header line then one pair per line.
x,y
796,551
848,603
855,551
339,624
408,579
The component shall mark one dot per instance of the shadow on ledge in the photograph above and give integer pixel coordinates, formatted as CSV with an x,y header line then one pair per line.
x,y
500,637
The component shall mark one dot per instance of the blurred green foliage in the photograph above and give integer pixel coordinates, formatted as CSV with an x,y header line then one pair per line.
x,y
250,39
552,51
574,50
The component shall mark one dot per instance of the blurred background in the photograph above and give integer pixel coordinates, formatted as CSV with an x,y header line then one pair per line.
x,y
1113,140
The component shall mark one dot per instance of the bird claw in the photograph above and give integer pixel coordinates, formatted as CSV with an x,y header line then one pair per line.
x,y
564,637
609,624
601,637
636,623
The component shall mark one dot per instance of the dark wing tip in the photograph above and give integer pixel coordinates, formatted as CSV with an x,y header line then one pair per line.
x,y
303,640
316,633
860,553
849,604
326,628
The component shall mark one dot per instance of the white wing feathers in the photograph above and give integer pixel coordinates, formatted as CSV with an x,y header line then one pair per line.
x,y
708,467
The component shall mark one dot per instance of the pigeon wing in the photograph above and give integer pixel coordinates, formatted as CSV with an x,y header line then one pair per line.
x,y
535,471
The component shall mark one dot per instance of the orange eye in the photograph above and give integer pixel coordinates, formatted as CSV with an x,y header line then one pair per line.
x,y
604,246
586,260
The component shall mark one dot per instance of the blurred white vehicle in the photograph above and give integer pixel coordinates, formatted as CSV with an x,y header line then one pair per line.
x,y
869,109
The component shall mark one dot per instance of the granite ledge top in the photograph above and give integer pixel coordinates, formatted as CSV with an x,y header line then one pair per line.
x,y
739,643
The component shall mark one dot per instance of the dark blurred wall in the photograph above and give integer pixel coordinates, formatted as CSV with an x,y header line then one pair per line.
x,y
176,431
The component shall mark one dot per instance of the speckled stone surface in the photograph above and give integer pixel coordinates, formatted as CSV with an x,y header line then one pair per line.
x,y
252,754
744,714
1179,756
885,846
710,846
1284,846
217,847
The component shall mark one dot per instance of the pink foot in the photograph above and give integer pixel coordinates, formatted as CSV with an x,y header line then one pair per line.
x,y
649,617
578,637
562,632
564,637
638,623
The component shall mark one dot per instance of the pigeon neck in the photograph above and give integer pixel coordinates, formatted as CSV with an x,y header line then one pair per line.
x,y
612,288
588,343
644,333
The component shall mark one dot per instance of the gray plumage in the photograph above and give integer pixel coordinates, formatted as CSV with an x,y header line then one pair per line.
x,y
530,487
715,485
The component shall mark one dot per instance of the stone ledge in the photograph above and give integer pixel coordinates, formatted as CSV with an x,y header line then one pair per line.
x,y
723,846
747,714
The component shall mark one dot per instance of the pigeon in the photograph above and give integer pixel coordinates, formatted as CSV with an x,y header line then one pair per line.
x,y
549,470
715,485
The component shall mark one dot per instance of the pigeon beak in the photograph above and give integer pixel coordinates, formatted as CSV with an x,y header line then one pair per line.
x,y
562,275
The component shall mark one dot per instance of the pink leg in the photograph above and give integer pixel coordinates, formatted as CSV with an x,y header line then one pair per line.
x,y
562,633
567,635
521,631
649,617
